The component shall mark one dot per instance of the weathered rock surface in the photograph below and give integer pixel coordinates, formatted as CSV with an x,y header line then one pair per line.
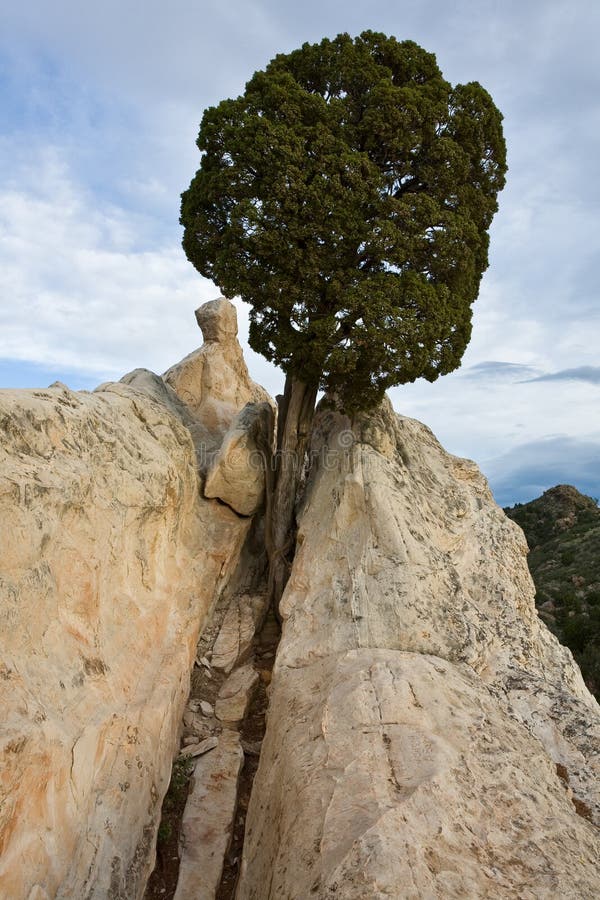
x,y
208,819
213,381
236,693
427,736
207,839
234,640
237,473
191,750
149,383
109,561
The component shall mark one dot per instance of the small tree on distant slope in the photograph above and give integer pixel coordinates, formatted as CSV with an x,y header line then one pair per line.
x,y
347,197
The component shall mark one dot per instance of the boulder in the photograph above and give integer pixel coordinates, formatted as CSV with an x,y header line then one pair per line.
x,y
146,382
199,749
234,640
236,476
213,381
427,736
218,320
236,693
109,562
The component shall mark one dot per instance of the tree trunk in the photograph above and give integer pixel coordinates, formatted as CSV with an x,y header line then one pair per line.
x,y
296,411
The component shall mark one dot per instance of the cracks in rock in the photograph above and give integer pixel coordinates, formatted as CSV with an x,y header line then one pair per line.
x,y
252,731
206,684
403,791
581,808
393,780
385,738
71,779
228,506
414,696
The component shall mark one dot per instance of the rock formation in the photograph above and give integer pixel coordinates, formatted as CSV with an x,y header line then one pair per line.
x,y
110,560
427,736
213,381
209,811
229,677
236,475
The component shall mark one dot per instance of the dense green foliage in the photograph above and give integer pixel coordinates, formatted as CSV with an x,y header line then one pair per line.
x,y
563,532
347,196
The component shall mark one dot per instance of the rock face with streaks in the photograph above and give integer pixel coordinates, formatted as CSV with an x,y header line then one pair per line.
x,y
427,736
110,560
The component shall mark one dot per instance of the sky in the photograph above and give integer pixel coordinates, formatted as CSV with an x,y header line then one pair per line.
x,y
99,112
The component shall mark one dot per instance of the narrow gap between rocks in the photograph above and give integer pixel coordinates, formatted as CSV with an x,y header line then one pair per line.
x,y
252,731
163,880
205,685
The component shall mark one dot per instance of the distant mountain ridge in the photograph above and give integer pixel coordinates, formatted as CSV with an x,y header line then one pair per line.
x,y
562,528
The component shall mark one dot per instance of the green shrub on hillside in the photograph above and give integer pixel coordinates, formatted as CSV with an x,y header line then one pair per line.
x,y
562,528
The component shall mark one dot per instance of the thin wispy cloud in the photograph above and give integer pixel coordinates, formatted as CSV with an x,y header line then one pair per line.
x,y
589,374
497,369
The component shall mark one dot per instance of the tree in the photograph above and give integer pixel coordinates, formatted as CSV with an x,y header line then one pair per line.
x,y
347,197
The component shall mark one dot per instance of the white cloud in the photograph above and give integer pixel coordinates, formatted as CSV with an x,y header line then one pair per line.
x,y
79,288
82,287
101,115
482,416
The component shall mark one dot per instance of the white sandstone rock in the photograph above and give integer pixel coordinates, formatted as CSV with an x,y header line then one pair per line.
x,y
208,819
236,475
236,693
109,562
234,641
199,749
419,708
213,381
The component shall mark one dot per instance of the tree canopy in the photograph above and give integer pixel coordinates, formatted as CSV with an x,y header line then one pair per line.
x,y
347,197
